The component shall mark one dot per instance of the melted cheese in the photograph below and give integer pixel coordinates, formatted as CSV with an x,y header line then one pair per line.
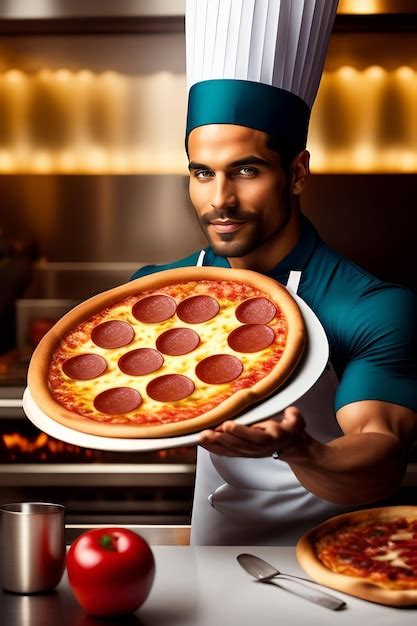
x,y
393,558
402,535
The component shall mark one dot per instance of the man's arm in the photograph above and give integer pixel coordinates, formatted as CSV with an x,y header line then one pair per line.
x,y
364,465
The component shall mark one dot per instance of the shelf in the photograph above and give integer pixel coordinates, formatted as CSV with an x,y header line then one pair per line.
x,y
97,474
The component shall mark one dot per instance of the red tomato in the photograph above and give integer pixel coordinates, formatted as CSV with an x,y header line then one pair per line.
x,y
110,570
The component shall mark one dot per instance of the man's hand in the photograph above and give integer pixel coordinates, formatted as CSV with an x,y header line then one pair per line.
x,y
261,439
364,465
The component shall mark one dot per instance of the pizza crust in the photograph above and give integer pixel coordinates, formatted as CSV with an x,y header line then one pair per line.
x,y
354,586
40,362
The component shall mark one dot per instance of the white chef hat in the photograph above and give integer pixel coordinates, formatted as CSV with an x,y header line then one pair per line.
x,y
257,63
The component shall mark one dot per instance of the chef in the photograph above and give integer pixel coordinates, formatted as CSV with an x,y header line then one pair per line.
x,y
253,69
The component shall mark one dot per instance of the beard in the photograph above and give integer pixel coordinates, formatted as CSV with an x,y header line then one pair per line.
x,y
255,232
231,244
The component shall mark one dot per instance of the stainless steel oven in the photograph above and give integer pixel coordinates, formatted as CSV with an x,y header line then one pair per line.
x,y
95,487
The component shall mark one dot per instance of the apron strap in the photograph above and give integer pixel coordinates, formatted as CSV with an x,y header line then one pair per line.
x,y
200,258
293,281
292,286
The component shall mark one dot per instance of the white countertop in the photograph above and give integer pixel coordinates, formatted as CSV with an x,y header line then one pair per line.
x,y
205,586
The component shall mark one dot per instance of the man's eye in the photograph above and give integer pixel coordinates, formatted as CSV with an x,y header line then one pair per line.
x,y
248,171
203,174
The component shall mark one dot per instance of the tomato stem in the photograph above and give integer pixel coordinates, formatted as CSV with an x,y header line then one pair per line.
x,y
107,542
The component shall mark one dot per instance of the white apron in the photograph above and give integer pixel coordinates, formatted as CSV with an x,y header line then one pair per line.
x,y
259,501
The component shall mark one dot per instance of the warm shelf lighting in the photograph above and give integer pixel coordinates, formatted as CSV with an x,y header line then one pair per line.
x,y
85,76
375,72
7,163
405,73
14,77
108,123
362,7
365,121
347,73
42,162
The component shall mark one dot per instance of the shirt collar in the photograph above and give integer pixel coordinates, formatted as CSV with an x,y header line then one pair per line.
x,y
297,259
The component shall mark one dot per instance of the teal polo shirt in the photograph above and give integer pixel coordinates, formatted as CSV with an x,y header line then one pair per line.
x,y
371,325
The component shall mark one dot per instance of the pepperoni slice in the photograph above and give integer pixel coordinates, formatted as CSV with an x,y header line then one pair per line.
x,y
251,338
219,368
118,400
84,366
112,334
197,309
170,388
256,311
140,362
154,309
178,341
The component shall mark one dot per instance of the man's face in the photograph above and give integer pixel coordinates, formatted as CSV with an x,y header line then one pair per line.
x,y
238,188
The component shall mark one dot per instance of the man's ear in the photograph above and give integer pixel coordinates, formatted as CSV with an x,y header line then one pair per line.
x,y
300,171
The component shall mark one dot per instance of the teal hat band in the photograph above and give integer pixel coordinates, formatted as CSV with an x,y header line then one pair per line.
x,y
275,111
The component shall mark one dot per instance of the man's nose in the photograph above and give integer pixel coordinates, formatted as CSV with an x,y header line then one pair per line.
x,y
224,195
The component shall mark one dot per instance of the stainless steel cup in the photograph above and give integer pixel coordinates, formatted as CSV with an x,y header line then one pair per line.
x,y
32,546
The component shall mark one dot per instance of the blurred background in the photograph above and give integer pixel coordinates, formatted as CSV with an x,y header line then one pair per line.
x,y
93,184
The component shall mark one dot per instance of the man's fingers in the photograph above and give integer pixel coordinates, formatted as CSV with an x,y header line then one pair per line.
x,y
221,443
261,439
247,433
225,444
234,442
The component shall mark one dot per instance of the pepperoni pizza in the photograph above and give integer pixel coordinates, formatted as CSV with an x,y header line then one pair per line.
x,y
167,354
371,554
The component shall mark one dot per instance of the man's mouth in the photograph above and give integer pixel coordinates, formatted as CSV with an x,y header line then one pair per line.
x,y
226,226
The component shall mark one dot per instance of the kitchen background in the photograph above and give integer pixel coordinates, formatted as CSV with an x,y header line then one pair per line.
x,y
93,184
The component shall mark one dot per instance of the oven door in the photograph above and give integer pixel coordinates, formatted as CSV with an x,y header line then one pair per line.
x,y
96,487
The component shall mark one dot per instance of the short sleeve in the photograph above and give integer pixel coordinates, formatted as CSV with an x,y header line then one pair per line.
x,y
380,330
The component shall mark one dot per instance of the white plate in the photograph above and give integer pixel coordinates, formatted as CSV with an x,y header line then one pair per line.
x,y
307,373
